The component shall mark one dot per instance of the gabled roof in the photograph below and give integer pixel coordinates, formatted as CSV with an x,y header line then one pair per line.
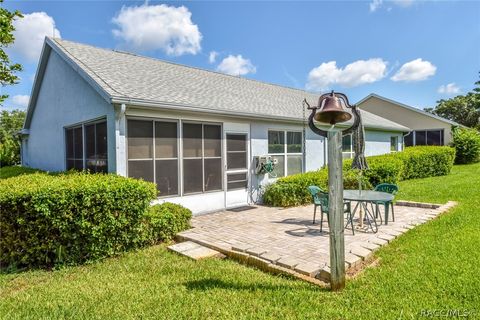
x,y
431,115
121,77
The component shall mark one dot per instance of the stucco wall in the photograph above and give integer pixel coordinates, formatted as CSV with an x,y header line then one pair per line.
x,y
64,99
378,142
406,117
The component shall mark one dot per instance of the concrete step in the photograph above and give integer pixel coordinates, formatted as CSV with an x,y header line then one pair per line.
x,y
194,250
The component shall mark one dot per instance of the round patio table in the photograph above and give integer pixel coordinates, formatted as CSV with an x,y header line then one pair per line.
x,y
363,197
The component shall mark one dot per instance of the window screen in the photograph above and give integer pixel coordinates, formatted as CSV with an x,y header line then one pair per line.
x,y
236,151
420,138
408,139
96,147
276,141
202,157
393,143
434,137
74,148
153,153
237,181
294,142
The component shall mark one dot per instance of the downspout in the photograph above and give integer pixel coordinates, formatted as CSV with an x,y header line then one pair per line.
x,y
120,141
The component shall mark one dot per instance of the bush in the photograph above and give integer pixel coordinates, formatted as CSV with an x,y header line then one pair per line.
x,y
164,221
426,161
292,190
9,152
467,145
13,171
414,162
70,218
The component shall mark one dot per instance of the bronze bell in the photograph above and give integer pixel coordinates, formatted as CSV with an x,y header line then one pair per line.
x,y
331,111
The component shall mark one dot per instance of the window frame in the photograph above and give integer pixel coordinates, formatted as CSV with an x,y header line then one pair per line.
x,y
285,153
426,131
84,148
395,146
348,154
221,157
180,169
236,171
153,158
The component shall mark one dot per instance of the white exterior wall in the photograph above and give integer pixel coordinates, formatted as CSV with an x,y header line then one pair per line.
x,y
378,142
64,99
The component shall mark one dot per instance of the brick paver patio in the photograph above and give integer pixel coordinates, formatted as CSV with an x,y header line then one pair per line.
x,y
286,239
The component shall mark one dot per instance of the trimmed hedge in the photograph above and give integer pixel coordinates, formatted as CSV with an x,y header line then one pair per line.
x,y
414,162
72,218
292,190
164,221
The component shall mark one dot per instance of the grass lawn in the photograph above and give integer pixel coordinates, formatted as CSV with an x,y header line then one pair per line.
x,y
434,266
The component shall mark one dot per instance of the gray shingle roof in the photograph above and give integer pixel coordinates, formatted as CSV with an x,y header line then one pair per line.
x,y
131,77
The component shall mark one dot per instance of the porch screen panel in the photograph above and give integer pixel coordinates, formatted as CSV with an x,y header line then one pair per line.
x,y
166,158
140,149
202,157
96,147
408,140
420,138
74,148
434,137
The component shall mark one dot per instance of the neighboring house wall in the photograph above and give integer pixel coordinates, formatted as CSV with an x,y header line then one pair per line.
x,y
64,99
409,118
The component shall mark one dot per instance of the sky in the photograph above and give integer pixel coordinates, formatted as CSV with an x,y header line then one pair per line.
x,y
414,52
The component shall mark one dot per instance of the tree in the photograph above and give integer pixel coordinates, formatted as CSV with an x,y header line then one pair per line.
x,y
10,123
464,109
8,69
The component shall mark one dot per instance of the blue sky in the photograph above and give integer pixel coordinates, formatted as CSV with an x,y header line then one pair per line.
x,y
415,52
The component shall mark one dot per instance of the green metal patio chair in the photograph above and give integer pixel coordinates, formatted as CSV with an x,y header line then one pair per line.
x,y
389,188
320,199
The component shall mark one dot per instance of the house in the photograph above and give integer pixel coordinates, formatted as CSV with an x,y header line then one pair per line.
x,y
427,128
195,133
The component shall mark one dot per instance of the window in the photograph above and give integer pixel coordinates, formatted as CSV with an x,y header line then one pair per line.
x,y
408,139
86,147
202,157
286,148
424,138
393,143
74,147
153,153
347,147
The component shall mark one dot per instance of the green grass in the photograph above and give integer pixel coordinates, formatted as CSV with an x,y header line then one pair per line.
x,y
434,266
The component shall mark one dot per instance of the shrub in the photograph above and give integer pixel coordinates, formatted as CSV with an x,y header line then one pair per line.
x,y
414,162
164,221
13,171
382,169
426,161
292,190
467,145
9,152
70,218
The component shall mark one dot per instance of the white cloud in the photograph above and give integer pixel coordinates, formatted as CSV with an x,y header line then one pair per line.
x,y
449,89
354,74
375,4
212,56
403,3
415,70
158,27
20,100
236,65
30,32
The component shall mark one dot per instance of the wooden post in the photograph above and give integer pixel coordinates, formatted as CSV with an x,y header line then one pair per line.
x,y
335,192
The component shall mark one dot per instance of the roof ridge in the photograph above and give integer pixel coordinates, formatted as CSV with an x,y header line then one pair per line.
x,y
184,66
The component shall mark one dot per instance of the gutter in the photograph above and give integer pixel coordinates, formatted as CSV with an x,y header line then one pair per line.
x,y
148,104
